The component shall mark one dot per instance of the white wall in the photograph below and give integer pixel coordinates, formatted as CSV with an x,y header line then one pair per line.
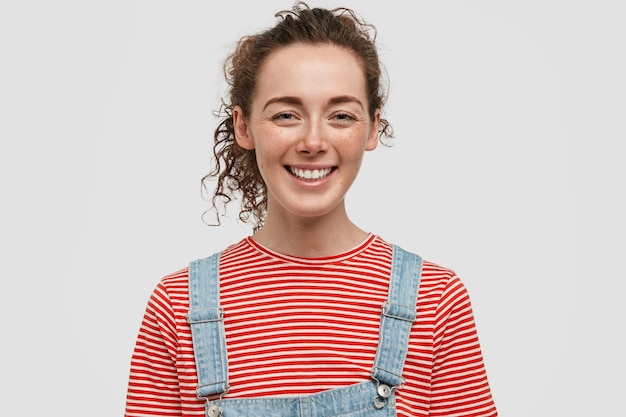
x,y
507,167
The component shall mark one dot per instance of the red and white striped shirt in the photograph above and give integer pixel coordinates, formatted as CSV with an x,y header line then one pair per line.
x,y
298,326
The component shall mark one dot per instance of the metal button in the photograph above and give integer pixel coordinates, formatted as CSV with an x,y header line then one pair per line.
x,y
384,391
379,403
214,411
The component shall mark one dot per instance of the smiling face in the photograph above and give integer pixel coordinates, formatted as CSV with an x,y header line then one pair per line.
x,y
309,125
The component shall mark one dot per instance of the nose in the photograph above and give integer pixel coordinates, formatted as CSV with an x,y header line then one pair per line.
x,y
312,141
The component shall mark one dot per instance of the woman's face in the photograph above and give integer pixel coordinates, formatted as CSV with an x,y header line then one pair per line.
x,y
309,125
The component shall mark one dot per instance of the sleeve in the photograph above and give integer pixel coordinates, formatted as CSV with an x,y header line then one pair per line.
x,y
153,387
459,379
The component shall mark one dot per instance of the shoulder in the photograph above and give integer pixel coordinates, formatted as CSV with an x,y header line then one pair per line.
x,y
179,280
174,287
176,281
433,275
437,276
170,294
439,285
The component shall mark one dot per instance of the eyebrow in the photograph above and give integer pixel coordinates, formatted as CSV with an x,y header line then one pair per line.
x,y
345,99
285,99
298,101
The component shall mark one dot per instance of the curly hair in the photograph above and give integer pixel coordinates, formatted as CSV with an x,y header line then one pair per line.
x,y
236,168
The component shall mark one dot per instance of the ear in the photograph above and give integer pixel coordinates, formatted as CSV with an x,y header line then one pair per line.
x,y
241,128
372,139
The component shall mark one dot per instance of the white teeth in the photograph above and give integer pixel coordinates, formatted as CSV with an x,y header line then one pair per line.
x,y
310,174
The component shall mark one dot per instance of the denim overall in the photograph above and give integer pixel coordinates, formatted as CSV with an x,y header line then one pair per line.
x,y
375,397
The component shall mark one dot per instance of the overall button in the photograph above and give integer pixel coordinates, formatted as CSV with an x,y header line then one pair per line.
x,y
214,411
379,403
384,391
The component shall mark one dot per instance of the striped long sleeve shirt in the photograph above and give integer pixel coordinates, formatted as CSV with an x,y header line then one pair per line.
x,y
297,326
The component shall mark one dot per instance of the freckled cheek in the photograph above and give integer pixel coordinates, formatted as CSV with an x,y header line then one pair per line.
x,y
262,167
265,162
355,153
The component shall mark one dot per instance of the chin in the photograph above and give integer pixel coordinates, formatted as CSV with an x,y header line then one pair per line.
x,y
314,212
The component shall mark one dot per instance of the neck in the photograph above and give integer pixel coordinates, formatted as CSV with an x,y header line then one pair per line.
x,y
310,237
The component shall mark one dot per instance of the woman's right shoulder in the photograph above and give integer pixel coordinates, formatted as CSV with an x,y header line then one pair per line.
x,y
176,284
180,278
172,291
176,279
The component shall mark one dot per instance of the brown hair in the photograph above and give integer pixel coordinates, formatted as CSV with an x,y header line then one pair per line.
x,y
235,168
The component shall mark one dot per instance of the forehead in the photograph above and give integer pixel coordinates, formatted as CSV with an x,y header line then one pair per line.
x,y
304,69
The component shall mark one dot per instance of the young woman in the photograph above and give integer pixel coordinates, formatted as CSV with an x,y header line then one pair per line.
x,y
310,315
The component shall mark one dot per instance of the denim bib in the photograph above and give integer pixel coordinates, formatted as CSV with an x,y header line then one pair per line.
x,y
375,397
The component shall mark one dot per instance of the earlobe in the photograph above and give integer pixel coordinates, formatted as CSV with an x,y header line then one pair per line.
x,y
240,126
372,140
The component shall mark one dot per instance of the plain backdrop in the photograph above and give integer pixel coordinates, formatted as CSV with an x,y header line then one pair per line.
x,y
507,167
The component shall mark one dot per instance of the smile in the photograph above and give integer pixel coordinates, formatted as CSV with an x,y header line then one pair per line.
x,y
310,174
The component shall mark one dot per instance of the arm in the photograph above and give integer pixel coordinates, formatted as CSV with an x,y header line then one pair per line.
x,y
153,387
459,380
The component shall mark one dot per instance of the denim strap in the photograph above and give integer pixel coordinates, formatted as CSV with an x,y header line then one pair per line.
x,y
206,319
397,317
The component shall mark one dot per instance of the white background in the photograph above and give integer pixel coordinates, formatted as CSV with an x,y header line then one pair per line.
x,y
507,167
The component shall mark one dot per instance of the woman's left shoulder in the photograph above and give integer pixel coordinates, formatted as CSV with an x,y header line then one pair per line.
x,y
434,278
430,269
